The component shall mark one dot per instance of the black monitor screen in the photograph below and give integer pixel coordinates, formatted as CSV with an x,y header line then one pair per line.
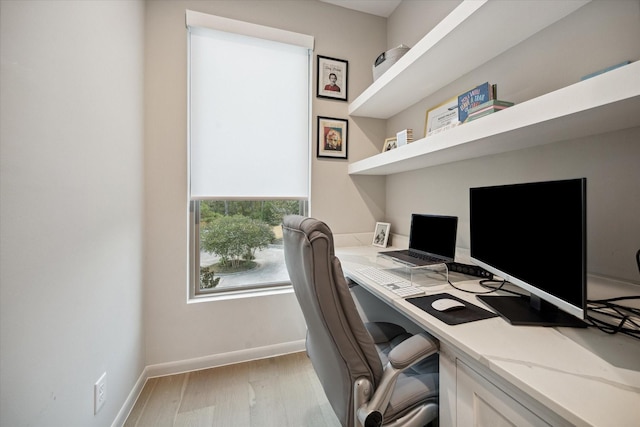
x,y
534,235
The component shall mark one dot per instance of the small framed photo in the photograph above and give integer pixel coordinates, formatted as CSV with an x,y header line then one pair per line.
x,y
332,78
332,137
381,234
390,144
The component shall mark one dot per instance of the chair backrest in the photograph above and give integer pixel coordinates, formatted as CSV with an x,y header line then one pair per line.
x,y
338,344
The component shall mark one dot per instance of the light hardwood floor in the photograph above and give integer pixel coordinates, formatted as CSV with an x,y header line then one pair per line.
x,y
279,391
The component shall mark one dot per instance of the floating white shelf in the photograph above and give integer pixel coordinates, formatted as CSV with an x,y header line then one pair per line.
x,y
472,34
604,103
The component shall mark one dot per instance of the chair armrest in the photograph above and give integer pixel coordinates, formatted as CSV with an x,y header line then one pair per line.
x,y
405,354
412,350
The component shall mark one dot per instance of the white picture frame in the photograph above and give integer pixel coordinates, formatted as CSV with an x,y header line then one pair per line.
x,y
381,234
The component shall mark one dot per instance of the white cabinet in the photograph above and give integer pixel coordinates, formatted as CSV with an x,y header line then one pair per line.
x,y
482,404
605,103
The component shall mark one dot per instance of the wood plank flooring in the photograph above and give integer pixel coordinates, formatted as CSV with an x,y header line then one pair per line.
x,y
275,392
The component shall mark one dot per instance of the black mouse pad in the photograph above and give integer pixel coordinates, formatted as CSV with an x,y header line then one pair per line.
x,y
469,313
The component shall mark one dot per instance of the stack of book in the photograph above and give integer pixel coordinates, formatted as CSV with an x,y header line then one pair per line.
x,y
474,97
486,108
404,137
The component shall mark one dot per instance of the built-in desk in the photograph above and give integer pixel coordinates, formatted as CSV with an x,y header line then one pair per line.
x,y
492,372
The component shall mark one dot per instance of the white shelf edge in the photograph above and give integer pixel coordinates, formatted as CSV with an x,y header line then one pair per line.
x,y
428,66
601,104
435,36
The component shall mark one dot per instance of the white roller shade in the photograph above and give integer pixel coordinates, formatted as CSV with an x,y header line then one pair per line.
x,y
249,117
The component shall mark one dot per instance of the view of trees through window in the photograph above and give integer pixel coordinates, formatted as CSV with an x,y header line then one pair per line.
x,y
241,242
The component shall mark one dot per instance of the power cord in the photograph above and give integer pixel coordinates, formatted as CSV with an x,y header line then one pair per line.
x,y
614,318
491,289
619,318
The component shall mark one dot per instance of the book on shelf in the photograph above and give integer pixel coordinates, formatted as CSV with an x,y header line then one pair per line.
x,y
404,137
488,107
474,97
477,116
605,70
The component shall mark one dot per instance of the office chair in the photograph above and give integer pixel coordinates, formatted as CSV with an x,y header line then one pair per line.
x,y
373,375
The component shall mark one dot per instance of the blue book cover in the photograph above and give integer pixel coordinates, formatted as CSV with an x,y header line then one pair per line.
x,y
472,98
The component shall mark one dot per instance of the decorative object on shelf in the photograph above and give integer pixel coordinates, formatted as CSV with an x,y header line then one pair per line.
x,y
474,97
386,59
390,144
442,117
381,234
332,137
487,108
404,137
596,73
332,78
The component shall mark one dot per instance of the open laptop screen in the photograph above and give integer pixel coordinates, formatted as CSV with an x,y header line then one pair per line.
x,y
434,234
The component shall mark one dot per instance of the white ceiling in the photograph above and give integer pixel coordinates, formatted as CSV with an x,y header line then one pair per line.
x,y
382,8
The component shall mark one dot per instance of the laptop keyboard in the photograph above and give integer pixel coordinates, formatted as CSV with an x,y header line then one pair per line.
x,y
424,257
391,282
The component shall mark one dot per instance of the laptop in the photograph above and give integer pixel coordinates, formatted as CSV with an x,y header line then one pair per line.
x,y
432,240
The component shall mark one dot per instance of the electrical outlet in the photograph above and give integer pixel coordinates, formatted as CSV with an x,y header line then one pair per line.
x,y
99,393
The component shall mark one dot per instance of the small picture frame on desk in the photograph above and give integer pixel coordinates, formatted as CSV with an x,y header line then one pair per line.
x,y
381,234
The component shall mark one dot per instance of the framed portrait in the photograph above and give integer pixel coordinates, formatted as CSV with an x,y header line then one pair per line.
x,y
332,137
390,144
381,234
332,78
442,117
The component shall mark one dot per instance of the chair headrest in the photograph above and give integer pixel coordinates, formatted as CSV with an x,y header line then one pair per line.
x,y
311,227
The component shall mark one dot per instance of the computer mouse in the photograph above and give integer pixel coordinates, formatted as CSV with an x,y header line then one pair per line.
x,y
447,304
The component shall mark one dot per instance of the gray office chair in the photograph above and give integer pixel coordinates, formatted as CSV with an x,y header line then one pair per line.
x,y
375,374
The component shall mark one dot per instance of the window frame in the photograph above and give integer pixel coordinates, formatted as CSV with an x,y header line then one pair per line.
x,y
197,22
195,292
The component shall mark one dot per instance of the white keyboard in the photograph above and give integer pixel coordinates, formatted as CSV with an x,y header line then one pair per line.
x,y
395,284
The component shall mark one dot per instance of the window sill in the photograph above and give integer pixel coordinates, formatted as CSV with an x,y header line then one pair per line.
x,y
241,293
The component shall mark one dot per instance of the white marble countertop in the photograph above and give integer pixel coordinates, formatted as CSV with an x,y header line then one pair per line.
x,y
585,376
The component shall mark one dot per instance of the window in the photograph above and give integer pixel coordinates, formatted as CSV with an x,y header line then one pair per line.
x,y
249,150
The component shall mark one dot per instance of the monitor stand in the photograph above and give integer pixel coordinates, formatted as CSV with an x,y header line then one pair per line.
x,y
520,311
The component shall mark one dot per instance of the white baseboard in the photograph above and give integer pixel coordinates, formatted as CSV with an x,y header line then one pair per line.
x,y
181,366
124,412
215,360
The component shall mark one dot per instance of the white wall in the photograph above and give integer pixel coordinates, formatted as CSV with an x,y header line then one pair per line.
x,y
599,34
71,209
175,330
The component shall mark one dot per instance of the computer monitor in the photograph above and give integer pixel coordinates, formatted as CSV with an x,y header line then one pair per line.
x,y
534,236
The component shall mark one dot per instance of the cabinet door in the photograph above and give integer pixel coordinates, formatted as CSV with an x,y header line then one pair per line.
x,y
482,404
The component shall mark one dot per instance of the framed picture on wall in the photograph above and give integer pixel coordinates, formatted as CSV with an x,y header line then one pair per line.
x,y
332,137
381,234
332,78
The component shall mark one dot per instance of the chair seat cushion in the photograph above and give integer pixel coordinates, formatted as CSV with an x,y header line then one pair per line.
x,y
385,332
